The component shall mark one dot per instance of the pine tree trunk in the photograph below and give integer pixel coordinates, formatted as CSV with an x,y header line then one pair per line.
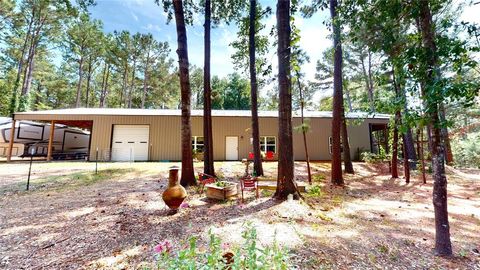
x,y
102,93
79,84
285,180
123,93
349,100
188,176
145,80
89,78
394,163
13,101
443,244
445,136
106,87
408,138
406,164
257,158
24,99
132,84
336,171
208,160
347,160
304,132
371,93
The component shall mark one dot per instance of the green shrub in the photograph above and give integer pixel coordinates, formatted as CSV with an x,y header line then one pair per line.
x,y
369,157
315,191
250,255
466,150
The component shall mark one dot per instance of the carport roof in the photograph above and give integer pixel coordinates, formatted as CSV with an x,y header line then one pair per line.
x,y
168,112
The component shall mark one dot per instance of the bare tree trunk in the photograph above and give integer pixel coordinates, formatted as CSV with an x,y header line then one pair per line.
x,y
145,79
304,128
89,78
123,93
188,177
257,158
445,136
132,84
370,79
394,163
347,160
349,100
285,178
31,62
443,245
13,102
208,160
421,156
408,137
406,164
106,88
102,93
79,84
336,171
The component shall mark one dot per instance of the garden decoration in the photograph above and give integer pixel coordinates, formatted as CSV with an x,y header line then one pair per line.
x,y
247,164
221,190
249,183
204,179
174,195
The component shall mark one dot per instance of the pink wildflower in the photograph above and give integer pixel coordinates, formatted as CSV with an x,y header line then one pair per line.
x,y
226,246
242,206
164,247
184,205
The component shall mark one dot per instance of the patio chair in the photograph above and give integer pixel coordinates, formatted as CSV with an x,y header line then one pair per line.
x,y
204,179
249,183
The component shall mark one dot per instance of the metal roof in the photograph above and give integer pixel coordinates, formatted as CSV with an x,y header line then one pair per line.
x,y
168,112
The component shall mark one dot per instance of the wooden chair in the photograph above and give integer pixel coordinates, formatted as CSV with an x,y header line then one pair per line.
x,y
249,183
204,179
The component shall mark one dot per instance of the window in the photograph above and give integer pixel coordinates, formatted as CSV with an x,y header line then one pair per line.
x,y
330,144
197,143
268,144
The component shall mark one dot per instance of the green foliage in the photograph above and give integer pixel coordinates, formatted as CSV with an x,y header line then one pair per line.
x,y
250,255
315,191
466,150
369,157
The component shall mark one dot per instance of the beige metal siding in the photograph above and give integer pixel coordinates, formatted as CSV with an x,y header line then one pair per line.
x,y
165,134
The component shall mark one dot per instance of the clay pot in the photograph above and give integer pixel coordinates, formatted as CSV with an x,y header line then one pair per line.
x,y
174,195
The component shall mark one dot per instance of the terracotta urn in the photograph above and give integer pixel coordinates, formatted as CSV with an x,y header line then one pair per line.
x,y
174,195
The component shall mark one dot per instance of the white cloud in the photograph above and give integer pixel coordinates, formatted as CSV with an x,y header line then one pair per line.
x,y
152,27
134,17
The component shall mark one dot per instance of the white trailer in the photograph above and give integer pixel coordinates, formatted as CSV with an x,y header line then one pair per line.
x,y
68,143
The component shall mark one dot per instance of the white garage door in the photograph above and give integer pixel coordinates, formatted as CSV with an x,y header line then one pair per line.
x,y
130,142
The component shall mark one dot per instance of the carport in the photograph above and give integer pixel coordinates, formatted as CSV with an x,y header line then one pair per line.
x,y
83,124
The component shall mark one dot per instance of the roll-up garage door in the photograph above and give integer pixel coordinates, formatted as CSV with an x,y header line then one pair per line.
x,y
130,142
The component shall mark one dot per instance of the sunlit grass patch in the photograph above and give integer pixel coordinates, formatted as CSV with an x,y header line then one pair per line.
x,y
318,177
314,191
72,180
324,217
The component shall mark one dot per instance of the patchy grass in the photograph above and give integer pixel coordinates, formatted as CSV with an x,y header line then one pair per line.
x,y
69,181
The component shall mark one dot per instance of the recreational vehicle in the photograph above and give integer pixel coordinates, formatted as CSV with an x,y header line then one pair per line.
x,y
32,137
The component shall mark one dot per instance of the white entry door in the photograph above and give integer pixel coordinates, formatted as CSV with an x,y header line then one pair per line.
x,y
231,148
130,142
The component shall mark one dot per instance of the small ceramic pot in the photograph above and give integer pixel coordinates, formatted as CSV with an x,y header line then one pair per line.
x,y
174,195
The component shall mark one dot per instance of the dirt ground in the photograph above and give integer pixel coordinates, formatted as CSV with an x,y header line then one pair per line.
x,y
73,218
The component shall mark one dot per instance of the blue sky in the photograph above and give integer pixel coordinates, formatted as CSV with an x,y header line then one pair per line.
x,y
146,17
